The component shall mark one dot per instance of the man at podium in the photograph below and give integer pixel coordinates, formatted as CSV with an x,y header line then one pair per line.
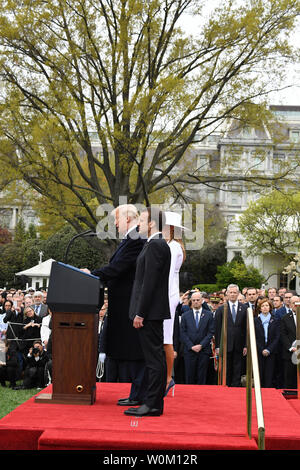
x,y
125,360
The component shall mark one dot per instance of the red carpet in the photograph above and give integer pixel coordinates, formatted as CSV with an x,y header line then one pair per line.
x,y
196,418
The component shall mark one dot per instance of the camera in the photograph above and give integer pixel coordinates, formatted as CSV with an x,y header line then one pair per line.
x,y
35,351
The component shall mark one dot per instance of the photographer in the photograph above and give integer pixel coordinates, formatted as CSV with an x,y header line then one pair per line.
x,y
14,317
34,373
7,307
9,369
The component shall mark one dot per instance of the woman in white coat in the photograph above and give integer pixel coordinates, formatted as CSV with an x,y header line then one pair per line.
x,y
173,223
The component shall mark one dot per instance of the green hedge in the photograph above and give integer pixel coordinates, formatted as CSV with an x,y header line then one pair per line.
x,y
208,288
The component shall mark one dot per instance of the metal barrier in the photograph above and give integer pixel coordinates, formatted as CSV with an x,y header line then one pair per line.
x,y
253,370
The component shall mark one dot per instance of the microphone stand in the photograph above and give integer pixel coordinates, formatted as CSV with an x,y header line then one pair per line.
x,y
87,233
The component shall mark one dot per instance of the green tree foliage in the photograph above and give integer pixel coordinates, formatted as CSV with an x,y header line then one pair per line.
x,y
127,73
12,261
272,224
293,268
201,266
236,272
20,255
20,234
84,252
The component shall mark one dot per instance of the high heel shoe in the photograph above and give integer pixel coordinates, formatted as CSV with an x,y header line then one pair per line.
x,y
171,386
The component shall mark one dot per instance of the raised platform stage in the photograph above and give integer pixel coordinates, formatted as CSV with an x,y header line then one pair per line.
x,y
196,418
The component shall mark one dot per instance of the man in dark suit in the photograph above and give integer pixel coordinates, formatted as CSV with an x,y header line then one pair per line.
x,y
278,309
149,307
236,335
40,308
287,299
251,297
197,330
124,357
288,334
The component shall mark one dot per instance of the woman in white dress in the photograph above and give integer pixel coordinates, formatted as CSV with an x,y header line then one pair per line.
x,y
173,223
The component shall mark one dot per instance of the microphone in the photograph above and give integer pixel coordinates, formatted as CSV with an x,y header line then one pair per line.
x,y
101,235
86,233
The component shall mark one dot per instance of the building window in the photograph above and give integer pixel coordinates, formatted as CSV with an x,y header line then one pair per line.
x,y
211,197
295,136
235,199
234,195
258,163
237,254
278,161
283,280
6,216
247,132
202,162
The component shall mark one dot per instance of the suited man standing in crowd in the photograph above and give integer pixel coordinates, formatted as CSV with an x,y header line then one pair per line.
x,y
197,330
236,335
149,307
279,311
124,357
288,333
40,309
278,308
286,300
251,297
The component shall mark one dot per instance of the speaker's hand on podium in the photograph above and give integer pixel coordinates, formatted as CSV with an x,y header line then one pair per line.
x,y
85,270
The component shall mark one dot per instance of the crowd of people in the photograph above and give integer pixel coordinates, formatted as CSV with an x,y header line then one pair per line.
x,y
25,332
151,335
25,339
275,327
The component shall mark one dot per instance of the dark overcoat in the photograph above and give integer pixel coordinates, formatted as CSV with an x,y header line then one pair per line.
x,y
121,341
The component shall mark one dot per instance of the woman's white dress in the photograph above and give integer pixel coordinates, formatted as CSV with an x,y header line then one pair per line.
x,y
174,293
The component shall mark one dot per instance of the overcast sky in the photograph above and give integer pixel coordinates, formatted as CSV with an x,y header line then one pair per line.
x,y
288,96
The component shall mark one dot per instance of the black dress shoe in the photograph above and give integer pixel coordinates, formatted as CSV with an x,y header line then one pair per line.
x,y
143,410
128,402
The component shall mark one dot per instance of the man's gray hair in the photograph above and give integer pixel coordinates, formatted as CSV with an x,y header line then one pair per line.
x,y
233,285
38,293
129,209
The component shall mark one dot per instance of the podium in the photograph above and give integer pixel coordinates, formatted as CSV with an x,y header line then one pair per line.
x,y
74,298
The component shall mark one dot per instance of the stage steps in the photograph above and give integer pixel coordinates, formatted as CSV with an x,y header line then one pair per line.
x,y
57,439
196,418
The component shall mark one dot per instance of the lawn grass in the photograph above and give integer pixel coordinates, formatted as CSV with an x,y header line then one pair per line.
x,y
10,399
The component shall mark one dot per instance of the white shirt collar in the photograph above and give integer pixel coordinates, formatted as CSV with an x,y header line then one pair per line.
x,y
152,236
197,310
130,230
